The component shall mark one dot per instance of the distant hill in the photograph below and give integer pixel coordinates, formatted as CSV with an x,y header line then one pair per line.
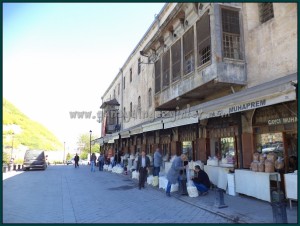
x,y
27,132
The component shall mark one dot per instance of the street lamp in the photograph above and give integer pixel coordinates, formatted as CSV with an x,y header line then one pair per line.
x,y
64,152
12,146
90,143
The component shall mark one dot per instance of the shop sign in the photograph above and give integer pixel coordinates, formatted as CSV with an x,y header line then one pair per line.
x,y
282,121
236,108
247,106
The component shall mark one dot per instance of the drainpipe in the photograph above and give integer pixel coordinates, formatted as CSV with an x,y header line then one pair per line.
x,y
239,143
121,104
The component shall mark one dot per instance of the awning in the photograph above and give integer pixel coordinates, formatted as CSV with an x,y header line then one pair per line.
x,y
270,93
153,126
115,136
106,139
125,134
179,121
136,130
111,141
99,141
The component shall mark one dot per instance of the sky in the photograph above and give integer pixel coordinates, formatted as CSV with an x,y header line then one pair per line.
x,y
61,57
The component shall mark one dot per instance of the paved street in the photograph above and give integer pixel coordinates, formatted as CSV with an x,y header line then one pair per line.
x,y
63,194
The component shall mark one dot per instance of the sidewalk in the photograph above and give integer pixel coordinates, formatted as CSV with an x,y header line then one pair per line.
x,y
240,209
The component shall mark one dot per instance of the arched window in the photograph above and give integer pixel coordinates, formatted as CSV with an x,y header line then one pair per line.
x,y
150,97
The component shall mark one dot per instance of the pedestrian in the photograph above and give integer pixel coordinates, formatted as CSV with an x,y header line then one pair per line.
x,y
157,162
143,165
174,172
101,161
201,180
76,160
93,160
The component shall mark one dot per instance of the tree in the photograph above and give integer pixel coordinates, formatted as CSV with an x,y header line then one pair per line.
x,y
69,157
84,140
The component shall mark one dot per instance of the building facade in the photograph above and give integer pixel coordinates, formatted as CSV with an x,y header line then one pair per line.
x,y
211,79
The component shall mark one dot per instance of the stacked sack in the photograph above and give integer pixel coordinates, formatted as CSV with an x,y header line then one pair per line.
x,y
279,164
155,181
117,169
261,164
135,175
105,167
270,162
254,164
149,179
191,189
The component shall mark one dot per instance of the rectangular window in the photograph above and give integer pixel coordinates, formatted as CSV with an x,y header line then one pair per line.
x,y
124,83
266,11
157,76
118,88
231,34
176,60
188,51
150,97
130,74
166,69
203,40
139,66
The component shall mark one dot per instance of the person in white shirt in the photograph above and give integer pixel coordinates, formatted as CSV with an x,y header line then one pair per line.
x,y
143,165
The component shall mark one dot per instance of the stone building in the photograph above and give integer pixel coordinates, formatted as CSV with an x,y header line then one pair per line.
x,y
212,79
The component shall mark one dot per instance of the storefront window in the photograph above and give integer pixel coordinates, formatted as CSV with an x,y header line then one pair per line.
x,y
188,149
270,142
227,147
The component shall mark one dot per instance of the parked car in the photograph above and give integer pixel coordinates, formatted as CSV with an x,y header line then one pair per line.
x,y
83,162
69,162
34,159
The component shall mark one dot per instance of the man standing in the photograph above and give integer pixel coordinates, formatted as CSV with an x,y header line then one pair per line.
x,y
101,162
143,165
76,160
93,161
174,171
157,162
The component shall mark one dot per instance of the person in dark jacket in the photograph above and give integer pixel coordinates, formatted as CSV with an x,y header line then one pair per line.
x,y
143,165
76,159
201,180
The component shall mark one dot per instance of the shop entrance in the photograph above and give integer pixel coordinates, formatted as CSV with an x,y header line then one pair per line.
x,y
291,150
228,149
187,147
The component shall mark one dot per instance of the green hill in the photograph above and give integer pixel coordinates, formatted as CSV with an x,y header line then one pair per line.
x,y
26,131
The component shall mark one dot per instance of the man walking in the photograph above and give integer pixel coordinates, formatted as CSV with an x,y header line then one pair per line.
x,y
76,160
143,165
